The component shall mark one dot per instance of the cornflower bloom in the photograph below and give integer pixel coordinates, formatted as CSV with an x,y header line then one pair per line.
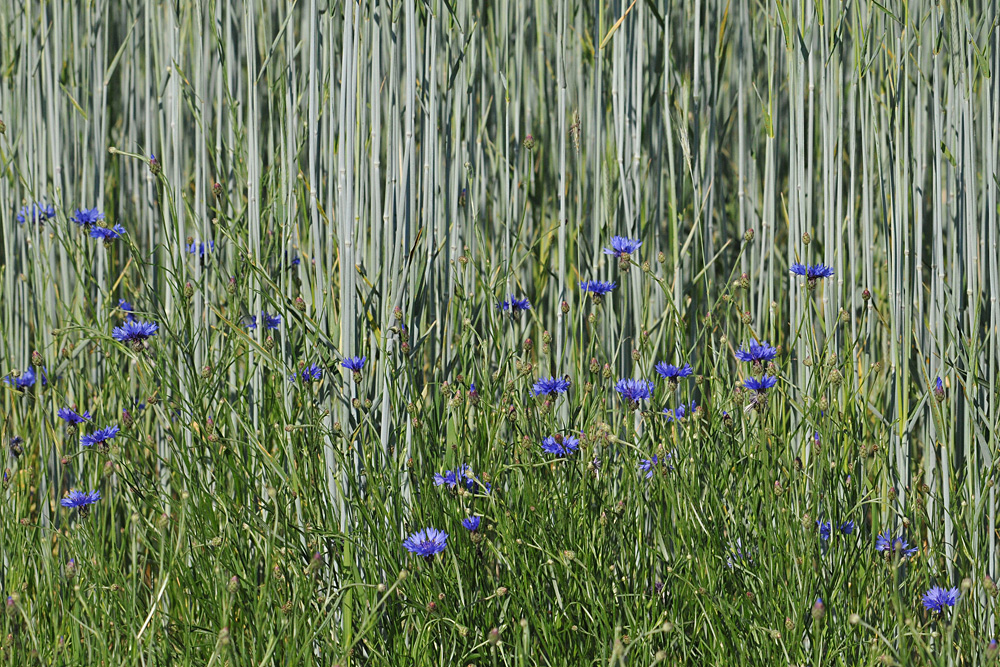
x,y
426,542
87,217
107,234
757,353
634,391
36,212
551,386
560,445
514,306
135,332
72,417
471,523
81,501
679,412
812,273
937,598
889,545
597,289
621,245
100,438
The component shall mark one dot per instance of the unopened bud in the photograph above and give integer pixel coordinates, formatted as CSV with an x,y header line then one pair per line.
x,y
529,142
748,235
217,189
564,306
188,290
300,304
36,358
154,166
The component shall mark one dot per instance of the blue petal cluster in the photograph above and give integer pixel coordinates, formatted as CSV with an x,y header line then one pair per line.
x,y
886,543
937,598
597,287
812,272
100,436
622,246
354,363
72,417
671,372
308,374
25,380
36,212
634,390
761,384
195,247
426,542
759,352
106,234
514,305
551,386
560,445
77,499
87,216
134,330
472,523
679,412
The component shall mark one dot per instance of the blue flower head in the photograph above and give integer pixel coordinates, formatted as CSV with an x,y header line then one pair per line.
x,y
80,500
671,372
134,331
426,542
309,373
471,523
757,352
513,305
937,598
36,212
25,380
813,272
108,235
560,445
463,474
679,412
355,364
126,308
888,545
597,288
551,386
100,437
87,216
647,465
622,246
71,417
761,384
270,321
824,529
634,391
846,528
200,248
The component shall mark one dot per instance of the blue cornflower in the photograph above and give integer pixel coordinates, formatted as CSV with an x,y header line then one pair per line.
x,y
426,542
71,417
937,598
514,305
622,246
87,216
757,352
560,445
647,465
846,528
134,331
634,391
939,385
464,474
679,412
597,287
25,380
126,308
887,544
311,372
824,529
100,437
270,322
80,500
195,247
106,234
551,386
671,372
812,272
760,385
36,212
472,523
355,364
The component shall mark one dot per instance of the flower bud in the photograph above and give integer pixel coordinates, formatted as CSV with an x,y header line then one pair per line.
x,y
3,127
529,142
866,295
493,637
154,166
206,372
231,286
16,446
300,304
217,189
188,290
269,343
36,358
748,235
564,306
818,610
806,238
